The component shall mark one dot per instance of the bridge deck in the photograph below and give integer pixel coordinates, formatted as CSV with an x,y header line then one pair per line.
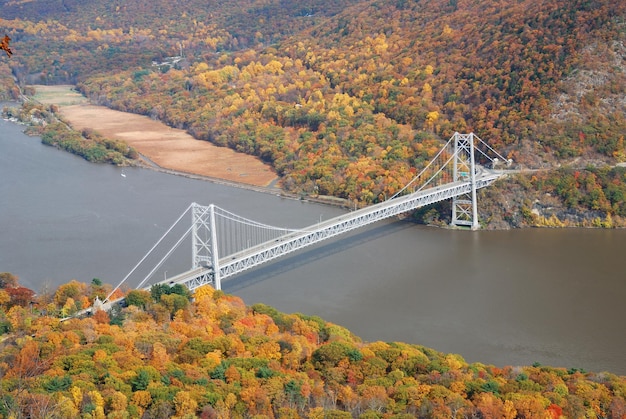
x,y
238,262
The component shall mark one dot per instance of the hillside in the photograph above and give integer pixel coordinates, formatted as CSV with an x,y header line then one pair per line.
x,y
350,98
167,355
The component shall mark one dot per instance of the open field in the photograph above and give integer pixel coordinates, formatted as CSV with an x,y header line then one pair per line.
x,y
60,95
167,147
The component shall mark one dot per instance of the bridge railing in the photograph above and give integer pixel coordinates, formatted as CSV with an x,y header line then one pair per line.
x,y
235,263
452,173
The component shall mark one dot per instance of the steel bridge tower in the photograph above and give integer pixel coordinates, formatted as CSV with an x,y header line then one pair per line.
x,y
204,240
265,243
464,208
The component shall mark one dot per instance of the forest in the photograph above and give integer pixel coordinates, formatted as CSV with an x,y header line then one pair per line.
x,y
348,98
351,98
170,353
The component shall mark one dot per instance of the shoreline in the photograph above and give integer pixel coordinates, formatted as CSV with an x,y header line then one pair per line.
x,y
170,148
159,144
145,163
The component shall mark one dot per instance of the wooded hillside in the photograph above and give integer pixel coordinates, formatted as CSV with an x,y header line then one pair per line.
x,y
351,98
166,355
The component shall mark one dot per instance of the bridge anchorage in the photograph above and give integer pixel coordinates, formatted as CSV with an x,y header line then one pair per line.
x,y
225,244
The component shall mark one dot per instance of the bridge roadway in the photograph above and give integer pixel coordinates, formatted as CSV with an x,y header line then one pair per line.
x,y
236,263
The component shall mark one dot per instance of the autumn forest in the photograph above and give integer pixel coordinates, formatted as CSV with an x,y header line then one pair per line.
x,y
169,353
349,99
345,98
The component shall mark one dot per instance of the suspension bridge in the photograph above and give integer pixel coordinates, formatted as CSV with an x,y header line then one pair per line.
x,y
225,244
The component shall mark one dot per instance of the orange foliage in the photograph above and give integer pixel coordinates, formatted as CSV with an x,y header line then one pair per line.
x,y
101,317
4,45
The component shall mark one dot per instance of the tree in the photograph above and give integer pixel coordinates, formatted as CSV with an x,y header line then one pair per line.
x,y
174,302
4,45
101,317
139,298
72,289
157,290
185,404
28,362
4,297
141,380
20,296
8,280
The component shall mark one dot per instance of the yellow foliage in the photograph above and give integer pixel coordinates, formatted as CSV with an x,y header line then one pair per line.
x,y
268,350
230,400
377,346
4,297
203,291
455,362
553,221
142,398
271,329
509,410
211,42
98,401
274,67
99,355
333,115
184,404
211,77
118,401
201,67
77,396
214,358
458,387
65,408
317,413
432,117
381,48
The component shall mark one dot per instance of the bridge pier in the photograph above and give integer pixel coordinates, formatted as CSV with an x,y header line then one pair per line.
x,y
464,207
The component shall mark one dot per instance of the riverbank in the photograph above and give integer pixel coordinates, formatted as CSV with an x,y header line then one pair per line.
x,y
66,99
390,281
170,148
525,202
167,148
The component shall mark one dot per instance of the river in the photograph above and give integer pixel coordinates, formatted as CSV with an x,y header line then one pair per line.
x,y
556,297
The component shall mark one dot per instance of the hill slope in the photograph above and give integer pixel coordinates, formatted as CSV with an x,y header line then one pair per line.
x,y
165,356
348,98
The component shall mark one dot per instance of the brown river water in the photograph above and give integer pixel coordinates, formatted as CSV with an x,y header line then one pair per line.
x,y
556,297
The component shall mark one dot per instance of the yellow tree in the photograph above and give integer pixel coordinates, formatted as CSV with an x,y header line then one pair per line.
x,y
185,404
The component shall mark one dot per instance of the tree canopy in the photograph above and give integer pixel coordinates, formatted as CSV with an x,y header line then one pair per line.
x,y
213,356
346,98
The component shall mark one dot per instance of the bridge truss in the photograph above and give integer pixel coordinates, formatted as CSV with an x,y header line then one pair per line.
x,y
225,244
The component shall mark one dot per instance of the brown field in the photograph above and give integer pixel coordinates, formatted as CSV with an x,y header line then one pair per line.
x,y
167,147
60,95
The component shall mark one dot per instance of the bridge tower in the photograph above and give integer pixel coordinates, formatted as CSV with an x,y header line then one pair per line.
x,y
204,240
464,208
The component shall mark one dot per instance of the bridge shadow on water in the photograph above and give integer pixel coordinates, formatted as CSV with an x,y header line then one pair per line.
x,y
311,254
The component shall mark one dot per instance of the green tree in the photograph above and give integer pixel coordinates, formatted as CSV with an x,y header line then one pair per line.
x,y
139,298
